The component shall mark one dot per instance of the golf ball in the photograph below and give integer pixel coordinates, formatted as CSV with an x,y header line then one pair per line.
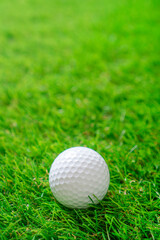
x,y
78,177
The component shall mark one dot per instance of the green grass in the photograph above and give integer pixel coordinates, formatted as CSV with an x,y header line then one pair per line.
x,y
79,73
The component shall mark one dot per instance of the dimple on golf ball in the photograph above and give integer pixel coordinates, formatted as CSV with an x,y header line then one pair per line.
x,y
78,177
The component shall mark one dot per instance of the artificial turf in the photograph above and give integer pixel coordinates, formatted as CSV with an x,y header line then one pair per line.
x,y
79,73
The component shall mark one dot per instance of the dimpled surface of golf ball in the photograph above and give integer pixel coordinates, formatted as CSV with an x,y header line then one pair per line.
x,y
78,177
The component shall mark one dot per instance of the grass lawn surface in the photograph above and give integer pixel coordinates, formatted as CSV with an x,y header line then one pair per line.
x,y
79,73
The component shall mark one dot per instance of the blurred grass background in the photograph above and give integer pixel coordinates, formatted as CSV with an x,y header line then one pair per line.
x,y
79,73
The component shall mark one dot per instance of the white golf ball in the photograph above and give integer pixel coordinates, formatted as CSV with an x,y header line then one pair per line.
x,y
78,177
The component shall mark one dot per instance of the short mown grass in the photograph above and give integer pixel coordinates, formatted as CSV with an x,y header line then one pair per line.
x,y
79,73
